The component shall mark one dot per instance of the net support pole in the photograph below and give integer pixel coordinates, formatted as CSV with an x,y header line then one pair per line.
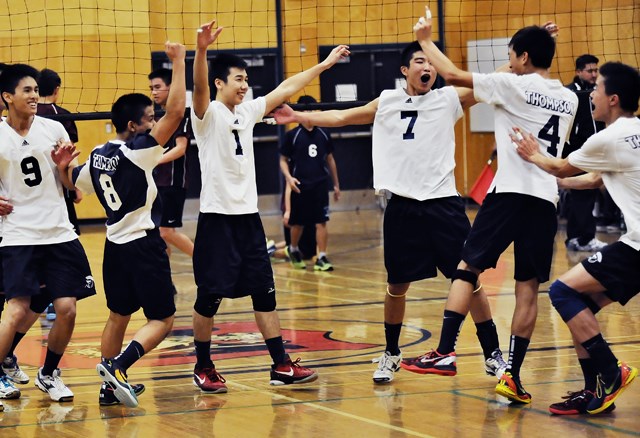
x,y
280,67
441,25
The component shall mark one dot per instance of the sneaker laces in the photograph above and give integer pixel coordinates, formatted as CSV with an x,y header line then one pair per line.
x,y
5,382
573,394
385,362
213,375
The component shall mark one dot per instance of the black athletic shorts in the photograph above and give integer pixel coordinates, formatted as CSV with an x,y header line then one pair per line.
x,y
137,275
617,268
63,267
528,222
172,206
310,206
420,236
230,257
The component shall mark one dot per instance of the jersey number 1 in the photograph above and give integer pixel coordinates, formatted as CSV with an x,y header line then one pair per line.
x,y
239,150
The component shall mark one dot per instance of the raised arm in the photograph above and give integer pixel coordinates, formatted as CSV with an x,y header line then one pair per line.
x,y
529,150
445,68
295,83
361,115
201,93
174,110
174,153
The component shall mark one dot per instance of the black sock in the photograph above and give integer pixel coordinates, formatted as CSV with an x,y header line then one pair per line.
x,y
276,350
590,374
517,351
16,340
51,362
392,336
451,325
203,354
488,337
130,355
603,358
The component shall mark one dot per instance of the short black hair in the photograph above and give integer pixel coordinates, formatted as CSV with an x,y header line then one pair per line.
x,y
306,99
129,108
583,60
13,74
537,42
48,81
162,73
407,53
222,64
623,80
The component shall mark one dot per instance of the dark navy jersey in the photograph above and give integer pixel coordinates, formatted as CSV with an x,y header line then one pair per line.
x,y
174,173
120,174
307,153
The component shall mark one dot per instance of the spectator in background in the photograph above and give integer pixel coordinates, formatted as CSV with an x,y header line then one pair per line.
x,y
581,224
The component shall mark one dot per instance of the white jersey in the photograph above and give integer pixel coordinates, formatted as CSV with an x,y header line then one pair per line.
x,y
225,150
543,107
615,153
30,180
414,143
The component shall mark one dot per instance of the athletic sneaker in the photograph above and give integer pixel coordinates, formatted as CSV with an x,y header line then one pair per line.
x,y
575,403
289,372
108,398
295,257
387,367
271,247
323,264
209,380
51,313
432,362
54,386
110,372
13,371
495,365
512,388
591,246
7,389
607,392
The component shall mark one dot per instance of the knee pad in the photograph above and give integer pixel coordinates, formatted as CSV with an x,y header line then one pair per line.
x,y
567,301
264,302
207,306
464,275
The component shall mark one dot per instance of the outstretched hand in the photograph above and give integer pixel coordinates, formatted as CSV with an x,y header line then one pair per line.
x,y
526,144
338,53
284,114
206,35
64,153
422,28
552,28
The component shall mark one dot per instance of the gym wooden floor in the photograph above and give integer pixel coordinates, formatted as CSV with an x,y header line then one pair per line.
x,y
334,322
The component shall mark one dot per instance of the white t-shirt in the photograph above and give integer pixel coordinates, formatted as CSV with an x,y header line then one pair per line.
x,y
615,153
225,150
30,180
414,143
543,107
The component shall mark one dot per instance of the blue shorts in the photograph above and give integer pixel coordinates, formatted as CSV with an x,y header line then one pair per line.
x,y
63,267
137,275
230,257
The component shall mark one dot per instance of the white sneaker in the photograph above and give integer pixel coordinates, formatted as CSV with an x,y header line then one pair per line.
x,y
495,365
13,371
387,366
7,390
54,386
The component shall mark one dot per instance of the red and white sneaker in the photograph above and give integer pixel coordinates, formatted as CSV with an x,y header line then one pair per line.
x,y
432,362
209,380
289,372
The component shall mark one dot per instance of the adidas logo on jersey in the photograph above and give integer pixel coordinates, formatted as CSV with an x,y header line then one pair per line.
x,y
25,143
408,101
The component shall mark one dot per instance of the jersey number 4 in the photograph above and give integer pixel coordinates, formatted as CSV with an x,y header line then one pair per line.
x,y
412,116
549,132
31,169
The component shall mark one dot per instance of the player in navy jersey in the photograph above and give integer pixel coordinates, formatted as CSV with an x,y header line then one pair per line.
x,y
38,243
612,156
425,224
307,150
230,259
136,269
171,173
520,207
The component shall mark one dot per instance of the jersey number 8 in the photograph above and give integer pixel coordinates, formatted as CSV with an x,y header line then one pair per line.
x,y
109,192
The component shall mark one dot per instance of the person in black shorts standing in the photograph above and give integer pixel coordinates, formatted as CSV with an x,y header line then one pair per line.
x,y
306,161
171,173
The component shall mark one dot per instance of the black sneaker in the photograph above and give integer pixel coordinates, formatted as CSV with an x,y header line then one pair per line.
x,y
323,264
295,258
108,398
110,372
575,403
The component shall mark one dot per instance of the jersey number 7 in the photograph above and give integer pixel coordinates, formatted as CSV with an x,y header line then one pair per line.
x,y
412,115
